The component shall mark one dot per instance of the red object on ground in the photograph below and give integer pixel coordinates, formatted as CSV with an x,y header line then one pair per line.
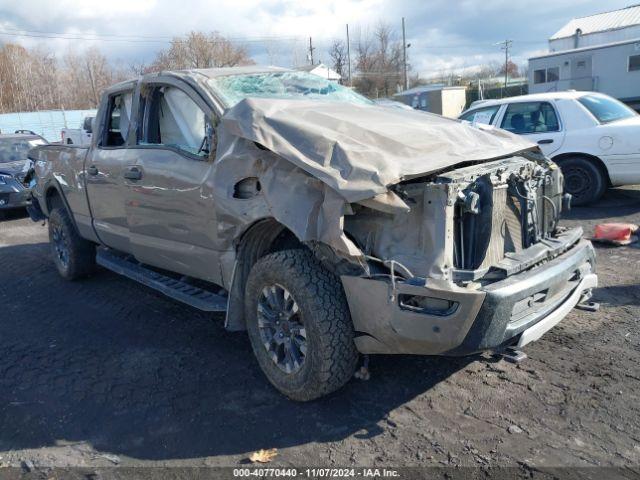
x,y
615,232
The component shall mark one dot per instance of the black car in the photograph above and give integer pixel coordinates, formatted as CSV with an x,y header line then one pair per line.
x,y
13,169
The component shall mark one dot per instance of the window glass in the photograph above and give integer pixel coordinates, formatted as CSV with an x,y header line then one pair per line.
x,y
481,115
173,119
530,117
540,76
553,74
300,85
118,119
606,109
15,149
634,63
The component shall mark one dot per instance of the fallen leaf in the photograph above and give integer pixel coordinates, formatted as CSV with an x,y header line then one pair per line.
x,y
263,456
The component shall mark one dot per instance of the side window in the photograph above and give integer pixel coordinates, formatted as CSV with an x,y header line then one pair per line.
x,y
481,115
553,74
530,117
173,119
540,76
119,114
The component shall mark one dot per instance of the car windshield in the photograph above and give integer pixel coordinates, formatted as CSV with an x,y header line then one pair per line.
x,y
294,85
14,149
606,109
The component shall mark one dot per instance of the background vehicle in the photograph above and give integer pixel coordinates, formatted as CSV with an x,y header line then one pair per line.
x,y
594,138
78,136
321,223
14,166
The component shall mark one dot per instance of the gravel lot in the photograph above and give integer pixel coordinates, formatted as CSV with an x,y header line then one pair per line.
x,y
105,372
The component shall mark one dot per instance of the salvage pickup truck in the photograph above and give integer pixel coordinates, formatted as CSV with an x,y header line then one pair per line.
x,y
324,225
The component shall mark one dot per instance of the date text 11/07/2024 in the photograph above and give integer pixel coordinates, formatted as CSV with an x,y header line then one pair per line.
x,y
316,472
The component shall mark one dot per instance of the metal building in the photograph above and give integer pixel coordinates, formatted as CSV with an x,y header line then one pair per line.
x,y
599,53
446,101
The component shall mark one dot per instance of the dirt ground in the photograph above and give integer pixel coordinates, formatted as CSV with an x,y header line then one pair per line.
x,y
105,372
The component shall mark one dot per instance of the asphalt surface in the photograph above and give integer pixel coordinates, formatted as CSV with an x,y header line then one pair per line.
x,y
105,372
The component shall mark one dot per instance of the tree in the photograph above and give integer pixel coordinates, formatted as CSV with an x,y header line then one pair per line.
x,y
512,69
338,55
201,50
379,62
34,79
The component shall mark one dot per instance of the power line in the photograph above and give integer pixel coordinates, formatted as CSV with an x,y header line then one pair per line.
x,y
140,39
133,38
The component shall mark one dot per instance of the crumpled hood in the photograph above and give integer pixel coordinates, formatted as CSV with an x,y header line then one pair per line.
x,y
12,168
360,150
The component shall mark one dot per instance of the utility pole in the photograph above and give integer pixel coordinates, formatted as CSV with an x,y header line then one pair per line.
x,y
404,56
506,45
311,49
349,57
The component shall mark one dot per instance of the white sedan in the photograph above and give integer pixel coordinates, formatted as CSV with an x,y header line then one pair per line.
x,y
594,138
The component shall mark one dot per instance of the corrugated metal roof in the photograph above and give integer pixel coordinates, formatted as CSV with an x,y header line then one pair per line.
x,y
601,22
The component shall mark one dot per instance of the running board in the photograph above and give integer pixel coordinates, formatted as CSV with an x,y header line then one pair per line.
x,y
176,289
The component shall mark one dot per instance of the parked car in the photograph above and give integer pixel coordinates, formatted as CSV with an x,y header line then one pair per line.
x,y
321,223
78,136
14,167
594,138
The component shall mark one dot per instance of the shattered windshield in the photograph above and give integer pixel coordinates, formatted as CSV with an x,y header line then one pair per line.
x,y
301,85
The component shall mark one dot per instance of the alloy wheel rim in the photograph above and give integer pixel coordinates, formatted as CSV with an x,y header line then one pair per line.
x,y
60,246
281,329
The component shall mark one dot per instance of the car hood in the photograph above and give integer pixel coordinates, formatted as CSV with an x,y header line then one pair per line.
x,y
360,150
12,168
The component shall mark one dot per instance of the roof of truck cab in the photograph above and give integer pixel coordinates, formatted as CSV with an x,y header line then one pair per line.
x,y
207,72
246,70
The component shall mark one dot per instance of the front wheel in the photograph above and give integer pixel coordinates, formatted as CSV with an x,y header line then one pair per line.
x,y
73,256
583,180
299,325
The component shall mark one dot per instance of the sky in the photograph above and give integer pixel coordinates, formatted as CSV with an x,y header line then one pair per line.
x,y
445,35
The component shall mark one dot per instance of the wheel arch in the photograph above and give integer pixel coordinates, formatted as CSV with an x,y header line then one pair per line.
x,y
54,197
586,156
262,237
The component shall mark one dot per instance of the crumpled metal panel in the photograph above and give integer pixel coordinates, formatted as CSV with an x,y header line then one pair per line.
x,y
360,150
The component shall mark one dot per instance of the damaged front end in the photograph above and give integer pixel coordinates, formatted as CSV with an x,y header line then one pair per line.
x,y
476,261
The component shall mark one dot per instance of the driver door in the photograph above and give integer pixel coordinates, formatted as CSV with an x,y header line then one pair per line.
x,y
171,215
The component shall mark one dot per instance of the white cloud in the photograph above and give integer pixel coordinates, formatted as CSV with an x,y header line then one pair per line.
x,y
444,35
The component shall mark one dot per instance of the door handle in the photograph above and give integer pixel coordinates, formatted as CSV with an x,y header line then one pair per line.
x,y
133,173
545,141
92,170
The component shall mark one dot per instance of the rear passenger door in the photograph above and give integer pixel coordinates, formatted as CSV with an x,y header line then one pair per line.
x,y
170,207
538,121
105,168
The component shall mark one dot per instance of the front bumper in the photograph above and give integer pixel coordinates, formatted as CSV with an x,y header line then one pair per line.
x,y
515,310
13,194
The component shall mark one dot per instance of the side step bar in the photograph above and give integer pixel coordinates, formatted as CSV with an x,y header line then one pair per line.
x,y
176,289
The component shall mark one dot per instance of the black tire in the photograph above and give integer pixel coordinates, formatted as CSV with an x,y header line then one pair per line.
x,y
73,256
583,179
330,356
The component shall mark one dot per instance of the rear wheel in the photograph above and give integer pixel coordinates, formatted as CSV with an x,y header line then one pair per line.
x,y
73,256
583,179
299,325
